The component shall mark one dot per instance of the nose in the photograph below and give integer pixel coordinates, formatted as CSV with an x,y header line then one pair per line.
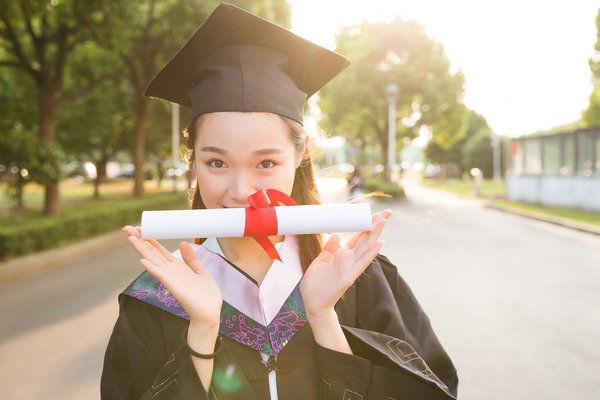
x,y
241,187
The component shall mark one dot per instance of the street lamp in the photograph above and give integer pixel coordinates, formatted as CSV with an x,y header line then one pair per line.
x,y
496,148
391,94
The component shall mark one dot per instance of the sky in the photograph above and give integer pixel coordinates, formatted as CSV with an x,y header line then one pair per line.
x,y
525,62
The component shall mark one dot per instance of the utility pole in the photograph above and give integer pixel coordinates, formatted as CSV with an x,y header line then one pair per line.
x,y
496,148
391,94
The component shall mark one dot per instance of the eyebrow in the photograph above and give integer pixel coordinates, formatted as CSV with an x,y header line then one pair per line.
x,y
257,152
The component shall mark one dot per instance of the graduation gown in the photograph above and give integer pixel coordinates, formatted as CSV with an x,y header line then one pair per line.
x,y
396,354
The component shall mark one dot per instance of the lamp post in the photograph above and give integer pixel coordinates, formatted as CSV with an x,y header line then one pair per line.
x,y
391,94
496,148
175,140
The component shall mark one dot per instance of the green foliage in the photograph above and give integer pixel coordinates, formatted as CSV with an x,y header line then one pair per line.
x,y
23,158
159,130
96,127
588,217
479,153
400,52
58,52
591,116
458,154
466,187
376,184
46,165
81,221
52,45
277,11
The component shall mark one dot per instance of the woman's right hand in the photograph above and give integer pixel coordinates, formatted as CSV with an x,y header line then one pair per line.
x,y
188,281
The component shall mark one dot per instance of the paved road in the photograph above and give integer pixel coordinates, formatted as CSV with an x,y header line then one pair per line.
x,y
515,302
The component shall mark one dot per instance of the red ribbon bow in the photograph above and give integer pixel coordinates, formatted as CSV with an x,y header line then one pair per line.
x,y
261,220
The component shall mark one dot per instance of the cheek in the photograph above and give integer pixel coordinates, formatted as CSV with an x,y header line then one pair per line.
x,y
284,180
211,187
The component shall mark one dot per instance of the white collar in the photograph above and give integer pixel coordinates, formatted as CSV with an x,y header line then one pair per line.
x,y
261,303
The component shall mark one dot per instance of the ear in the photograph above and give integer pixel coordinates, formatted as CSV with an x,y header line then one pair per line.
x,y
300,154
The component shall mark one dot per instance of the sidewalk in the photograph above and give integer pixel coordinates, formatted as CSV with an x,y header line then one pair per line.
x,y
18,267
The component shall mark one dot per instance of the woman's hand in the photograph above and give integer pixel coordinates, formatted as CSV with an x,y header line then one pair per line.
x,y
192,286
335,270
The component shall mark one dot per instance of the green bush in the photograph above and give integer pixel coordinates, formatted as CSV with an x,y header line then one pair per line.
x,y
375,184
80,221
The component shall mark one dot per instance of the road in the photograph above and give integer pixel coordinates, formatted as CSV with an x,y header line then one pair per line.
x,y
515,302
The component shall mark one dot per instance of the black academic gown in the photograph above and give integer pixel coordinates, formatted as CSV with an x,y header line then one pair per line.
x,y
396,353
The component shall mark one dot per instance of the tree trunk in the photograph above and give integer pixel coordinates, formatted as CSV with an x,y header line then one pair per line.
x,y
160,172
46,131
139,146
100,175
19,193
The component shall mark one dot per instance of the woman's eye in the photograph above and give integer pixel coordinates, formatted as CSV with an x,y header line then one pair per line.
x,y
267,164
216,164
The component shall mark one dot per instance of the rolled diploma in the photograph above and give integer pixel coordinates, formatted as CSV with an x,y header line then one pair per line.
x,y
230,222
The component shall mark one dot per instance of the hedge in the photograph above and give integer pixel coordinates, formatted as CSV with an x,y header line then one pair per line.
x,y
80,221
394,190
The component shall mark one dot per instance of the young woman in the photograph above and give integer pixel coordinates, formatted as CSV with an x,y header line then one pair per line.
x,y
221,319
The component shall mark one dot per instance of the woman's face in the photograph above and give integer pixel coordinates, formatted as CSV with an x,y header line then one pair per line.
x,y
239,153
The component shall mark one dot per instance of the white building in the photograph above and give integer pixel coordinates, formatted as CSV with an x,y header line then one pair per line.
x,y
561,169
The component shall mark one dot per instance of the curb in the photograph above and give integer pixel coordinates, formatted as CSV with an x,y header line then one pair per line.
x,y
567,223
25,265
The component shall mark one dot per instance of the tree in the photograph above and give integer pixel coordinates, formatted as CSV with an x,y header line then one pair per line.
x,y
591,116
354,103
23,158
43,40
457,154
479,153
95,127
159,135
145,33
16,133
277,11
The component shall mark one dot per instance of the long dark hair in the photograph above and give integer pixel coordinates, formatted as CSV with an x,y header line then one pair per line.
x,y
304,191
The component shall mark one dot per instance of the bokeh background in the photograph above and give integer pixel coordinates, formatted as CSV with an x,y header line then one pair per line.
x,y
477,123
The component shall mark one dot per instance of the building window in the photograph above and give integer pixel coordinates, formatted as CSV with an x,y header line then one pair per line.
x,y
551,159
532,152
516,152
568,155
584,153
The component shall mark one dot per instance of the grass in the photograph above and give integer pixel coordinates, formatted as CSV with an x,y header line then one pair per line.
x,y
589,217
496,193
73,192
489,188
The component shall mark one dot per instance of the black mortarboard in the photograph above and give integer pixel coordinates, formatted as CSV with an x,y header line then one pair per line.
x,y
237,61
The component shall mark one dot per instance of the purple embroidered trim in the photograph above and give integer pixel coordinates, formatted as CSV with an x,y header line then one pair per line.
x,y
234,324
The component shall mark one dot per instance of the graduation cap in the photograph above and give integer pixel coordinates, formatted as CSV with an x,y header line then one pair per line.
x,y
237,61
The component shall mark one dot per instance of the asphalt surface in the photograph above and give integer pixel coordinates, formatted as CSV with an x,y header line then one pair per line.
x,y
515,302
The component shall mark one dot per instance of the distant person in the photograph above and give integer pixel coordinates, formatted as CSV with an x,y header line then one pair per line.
x,y
310,326
356,183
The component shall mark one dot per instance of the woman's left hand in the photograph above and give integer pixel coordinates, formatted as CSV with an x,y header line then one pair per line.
x,y
335,269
